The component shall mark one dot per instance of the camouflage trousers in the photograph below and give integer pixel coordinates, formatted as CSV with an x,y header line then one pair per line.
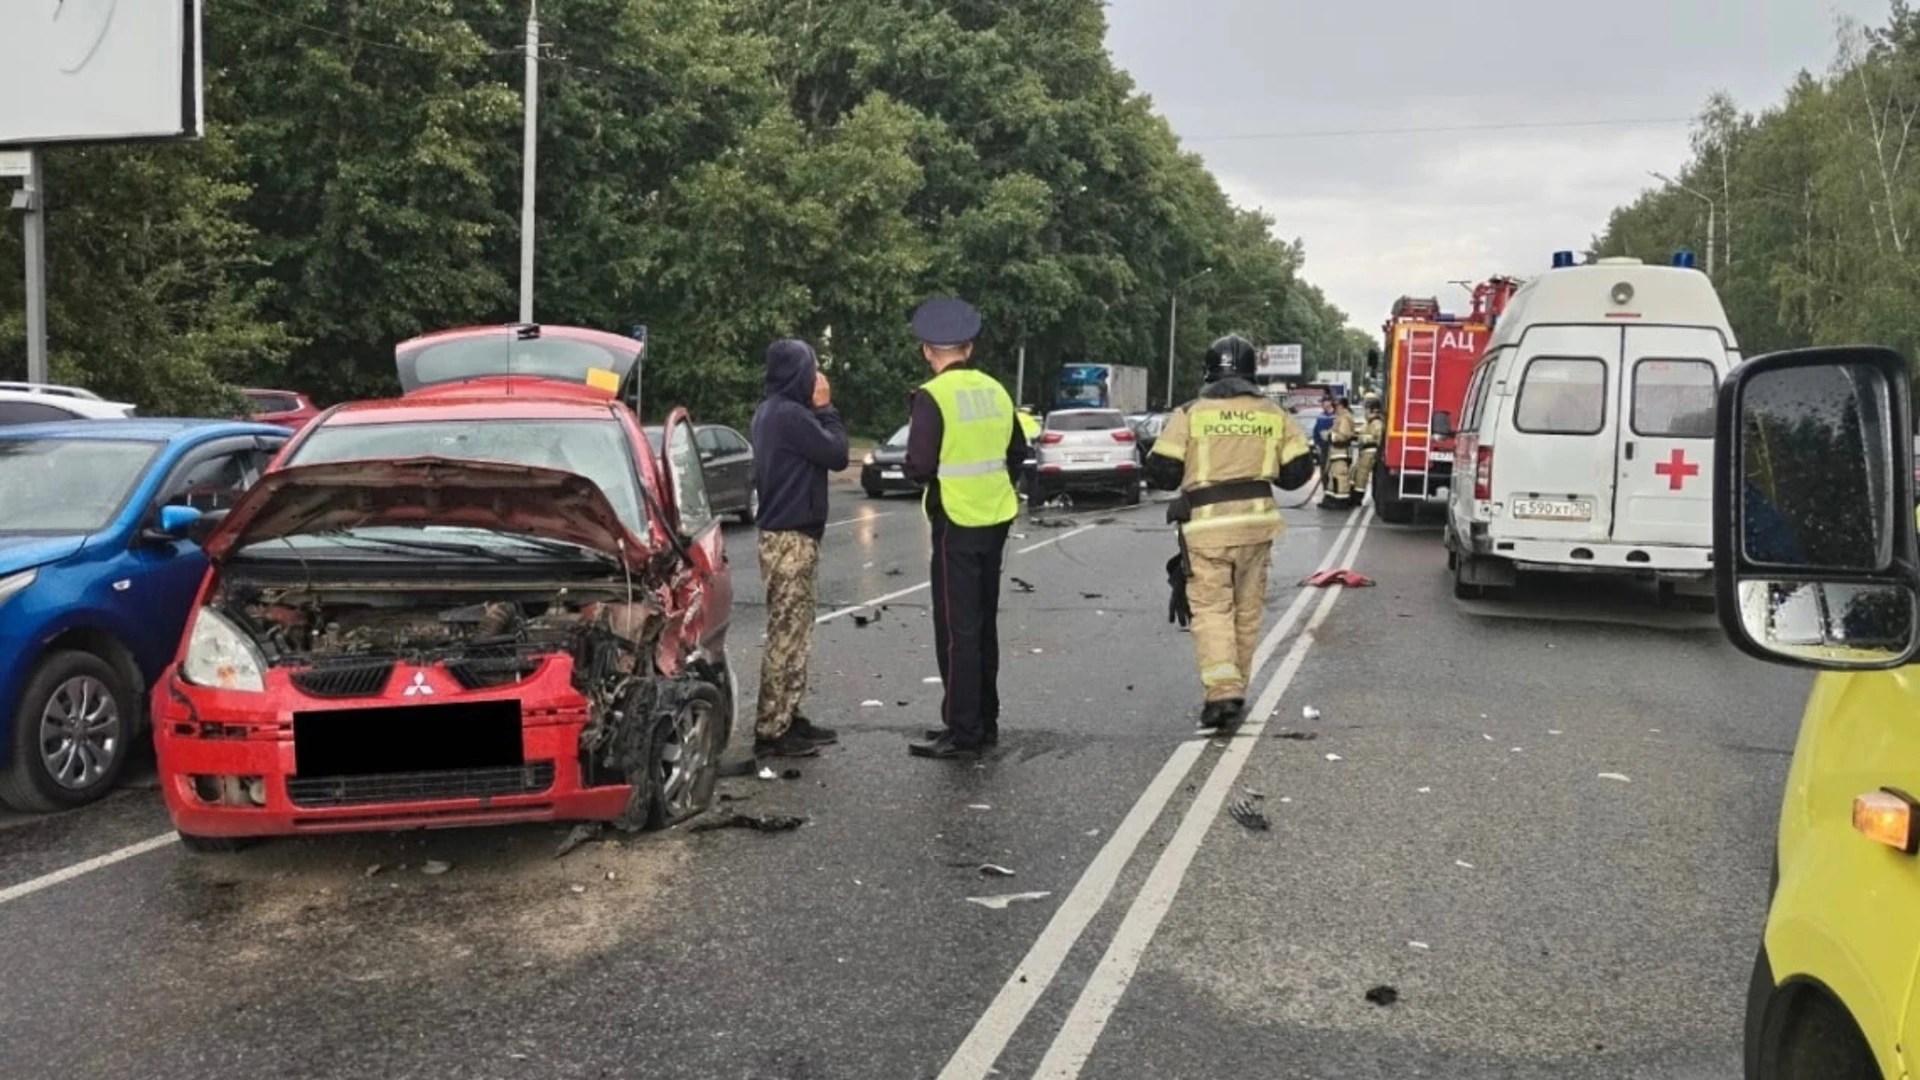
x,y
789,563
1228,594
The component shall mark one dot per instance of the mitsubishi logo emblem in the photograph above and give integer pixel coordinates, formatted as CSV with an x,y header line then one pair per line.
x,y
419,686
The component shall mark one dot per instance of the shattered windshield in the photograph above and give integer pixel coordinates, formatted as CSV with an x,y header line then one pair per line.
x,y
595,449
68,485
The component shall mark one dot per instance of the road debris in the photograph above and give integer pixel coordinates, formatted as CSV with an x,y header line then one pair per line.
x,y
1308,712
1335,757
979,806
582,833
374,869
577,889
1622,777
1463,864
434,867
1424,791
790,774
862,620
1244,813
999,903
1551,731
768,774
1346,578
1252,794
756,822
931,680
993,870
894,571
1093,596
1021,584
1421,945
1297,736
1037,652
1383,995
873,703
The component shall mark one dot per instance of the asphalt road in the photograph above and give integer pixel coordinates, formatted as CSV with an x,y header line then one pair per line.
x,y
1544,823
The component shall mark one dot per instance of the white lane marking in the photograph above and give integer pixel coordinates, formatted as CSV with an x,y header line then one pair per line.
x,y
98,862
1272,641
863,517
1068,535
1075,1043
1030,979
996,1027
875,602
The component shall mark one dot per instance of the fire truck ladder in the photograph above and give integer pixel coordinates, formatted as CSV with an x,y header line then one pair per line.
x,y
1423,361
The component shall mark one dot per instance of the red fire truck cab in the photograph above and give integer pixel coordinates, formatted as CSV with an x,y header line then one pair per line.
x,y
1430,357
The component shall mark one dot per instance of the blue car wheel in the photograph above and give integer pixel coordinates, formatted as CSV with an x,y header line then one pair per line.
x,y
71,734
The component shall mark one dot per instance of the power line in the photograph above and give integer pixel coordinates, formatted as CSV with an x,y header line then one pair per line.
x,y
1442,129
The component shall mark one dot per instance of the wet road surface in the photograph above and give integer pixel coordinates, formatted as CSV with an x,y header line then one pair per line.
x,y
1446,831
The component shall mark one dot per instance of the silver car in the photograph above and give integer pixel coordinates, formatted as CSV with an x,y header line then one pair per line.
x,y
1086,450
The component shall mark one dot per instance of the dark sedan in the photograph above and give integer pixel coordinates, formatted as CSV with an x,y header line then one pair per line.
x,y
727,460
883,471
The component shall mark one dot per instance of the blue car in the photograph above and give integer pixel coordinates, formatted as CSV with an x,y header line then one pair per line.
x,y
98,567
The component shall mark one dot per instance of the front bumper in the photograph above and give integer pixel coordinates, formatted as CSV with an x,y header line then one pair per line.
x,y
205,735
875,478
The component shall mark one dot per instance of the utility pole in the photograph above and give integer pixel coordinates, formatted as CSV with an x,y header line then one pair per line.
x,y
1020,378
29,200
1711,215
1173,321
530,139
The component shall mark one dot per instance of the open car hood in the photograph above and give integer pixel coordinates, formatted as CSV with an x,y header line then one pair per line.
x,y
421,491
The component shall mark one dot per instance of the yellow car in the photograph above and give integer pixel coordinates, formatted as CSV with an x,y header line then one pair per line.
x,y
1816,566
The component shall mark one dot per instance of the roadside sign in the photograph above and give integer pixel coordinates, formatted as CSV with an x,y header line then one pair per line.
x,y
1280,362
15,163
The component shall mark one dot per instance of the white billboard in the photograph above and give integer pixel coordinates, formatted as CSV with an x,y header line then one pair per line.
x,y
94,71
1281,362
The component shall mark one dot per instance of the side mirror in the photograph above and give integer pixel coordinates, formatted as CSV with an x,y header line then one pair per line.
x,y
173,523
1813,526
204,525
1442,425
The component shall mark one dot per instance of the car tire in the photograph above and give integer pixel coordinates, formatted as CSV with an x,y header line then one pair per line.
x,y
1132,495
874,493
1390,507
69,682
215,845
1803,1034
680,788
751,513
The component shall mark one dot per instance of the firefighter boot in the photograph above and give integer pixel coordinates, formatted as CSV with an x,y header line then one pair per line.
x,y
1219,714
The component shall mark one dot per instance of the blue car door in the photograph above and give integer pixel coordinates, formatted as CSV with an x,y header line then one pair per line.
x,y
154,579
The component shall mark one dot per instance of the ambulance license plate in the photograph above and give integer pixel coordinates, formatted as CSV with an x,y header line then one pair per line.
x,y
1553,509
1439,455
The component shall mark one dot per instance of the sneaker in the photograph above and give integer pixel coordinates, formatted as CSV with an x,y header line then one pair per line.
x,y
788,745
942,749
812,732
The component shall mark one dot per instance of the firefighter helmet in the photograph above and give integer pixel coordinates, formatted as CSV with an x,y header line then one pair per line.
x,y
1231,355
1371,397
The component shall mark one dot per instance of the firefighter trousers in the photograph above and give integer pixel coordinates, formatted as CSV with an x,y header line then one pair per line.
x,y
1228,594
1363,470
1339,475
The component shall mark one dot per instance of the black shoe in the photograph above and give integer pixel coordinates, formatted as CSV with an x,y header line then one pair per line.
x,y
991,738
942,749
1219,714
812,732
788,745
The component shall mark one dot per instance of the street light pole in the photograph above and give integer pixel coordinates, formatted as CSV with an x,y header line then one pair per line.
x,y
1173,319
529,145
1711,214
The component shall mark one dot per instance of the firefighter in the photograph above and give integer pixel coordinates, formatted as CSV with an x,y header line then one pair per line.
x,y
1372,434
1223,452
1339,458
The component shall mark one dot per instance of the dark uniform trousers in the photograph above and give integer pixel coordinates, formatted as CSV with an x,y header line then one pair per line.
x,y
966,626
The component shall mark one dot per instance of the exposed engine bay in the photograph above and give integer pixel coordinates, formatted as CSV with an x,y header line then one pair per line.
x,y
346,641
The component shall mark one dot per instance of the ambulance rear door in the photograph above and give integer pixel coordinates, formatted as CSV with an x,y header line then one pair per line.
x,y
1669,376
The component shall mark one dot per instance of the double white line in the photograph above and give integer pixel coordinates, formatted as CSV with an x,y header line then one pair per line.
x,y
1068,1054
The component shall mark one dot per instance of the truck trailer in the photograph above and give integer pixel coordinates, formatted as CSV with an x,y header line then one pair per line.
x,y
1101,386
1430,357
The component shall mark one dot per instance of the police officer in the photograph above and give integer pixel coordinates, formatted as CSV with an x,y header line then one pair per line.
x,y
964,444
1339,457
1372,434
1223,453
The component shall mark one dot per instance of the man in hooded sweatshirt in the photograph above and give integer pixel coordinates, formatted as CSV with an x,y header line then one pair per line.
x,y
797,440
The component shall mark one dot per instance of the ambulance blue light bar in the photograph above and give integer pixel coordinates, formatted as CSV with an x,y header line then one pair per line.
x,y
1562,259
1683,259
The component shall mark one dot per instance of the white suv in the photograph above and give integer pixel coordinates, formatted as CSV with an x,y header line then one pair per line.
x,y
1086,450
28,403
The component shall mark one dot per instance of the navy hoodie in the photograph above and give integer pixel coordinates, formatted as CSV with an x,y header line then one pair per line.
x,y
795,445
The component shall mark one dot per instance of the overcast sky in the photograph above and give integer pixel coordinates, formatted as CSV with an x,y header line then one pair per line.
x,y
1388,215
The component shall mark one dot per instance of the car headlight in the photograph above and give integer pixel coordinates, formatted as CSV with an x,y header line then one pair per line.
x,y
15,584
869,458
219,655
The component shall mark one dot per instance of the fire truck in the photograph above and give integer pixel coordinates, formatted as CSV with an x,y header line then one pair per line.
x,y
1429,362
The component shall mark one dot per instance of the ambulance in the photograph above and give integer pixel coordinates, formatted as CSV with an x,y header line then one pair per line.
x,y
1588,430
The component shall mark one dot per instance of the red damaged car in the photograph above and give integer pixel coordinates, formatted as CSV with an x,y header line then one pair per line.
x,y
486,601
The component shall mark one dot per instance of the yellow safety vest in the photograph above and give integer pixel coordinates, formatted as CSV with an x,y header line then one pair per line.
x,y
1030,425
1226,439
976,415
